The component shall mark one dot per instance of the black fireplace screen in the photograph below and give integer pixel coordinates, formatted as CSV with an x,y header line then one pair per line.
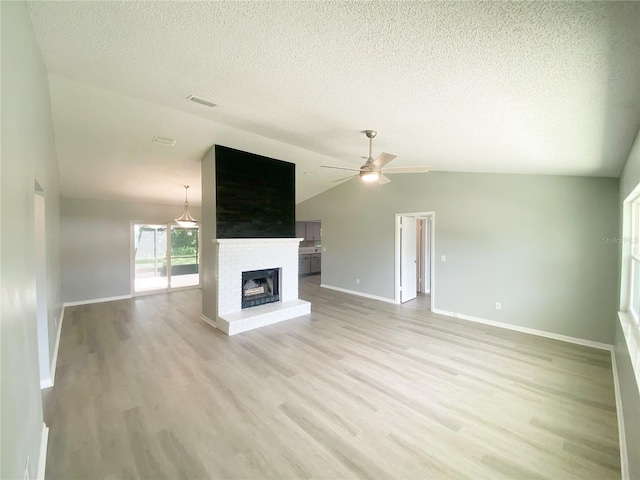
x,y
260,287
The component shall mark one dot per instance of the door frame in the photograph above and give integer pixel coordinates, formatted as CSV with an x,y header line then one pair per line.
x,y
432,250
408,287
423,236
41,286
132,261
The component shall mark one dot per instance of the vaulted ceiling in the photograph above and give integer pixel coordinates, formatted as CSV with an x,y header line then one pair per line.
x,y
510,87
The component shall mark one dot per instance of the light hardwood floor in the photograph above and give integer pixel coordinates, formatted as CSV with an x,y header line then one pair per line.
x,y
357,389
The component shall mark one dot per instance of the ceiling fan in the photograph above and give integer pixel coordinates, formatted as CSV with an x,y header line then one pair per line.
x,y
374,170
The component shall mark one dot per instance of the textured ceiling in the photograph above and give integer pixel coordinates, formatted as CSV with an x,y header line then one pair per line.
x,y
512,87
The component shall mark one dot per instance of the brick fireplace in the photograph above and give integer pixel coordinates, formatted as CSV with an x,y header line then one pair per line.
x,y
233,256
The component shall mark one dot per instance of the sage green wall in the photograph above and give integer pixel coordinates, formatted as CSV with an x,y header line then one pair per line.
x,y
533,243
28,154
96,244
629,388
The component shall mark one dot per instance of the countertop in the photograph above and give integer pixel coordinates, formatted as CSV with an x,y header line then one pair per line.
x,y
305,250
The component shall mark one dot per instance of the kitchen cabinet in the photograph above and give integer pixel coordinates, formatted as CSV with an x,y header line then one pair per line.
x,y
304,264
301,230
309,263
312,231
316,262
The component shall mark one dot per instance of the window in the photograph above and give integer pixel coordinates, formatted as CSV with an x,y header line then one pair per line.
x,y
629,316
165,257
185,257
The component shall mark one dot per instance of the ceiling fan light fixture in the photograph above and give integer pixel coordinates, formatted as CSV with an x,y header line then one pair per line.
x,y
369,176
186,220
374,169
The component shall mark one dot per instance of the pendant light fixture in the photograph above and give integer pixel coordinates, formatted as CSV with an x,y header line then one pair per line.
x,y
186,220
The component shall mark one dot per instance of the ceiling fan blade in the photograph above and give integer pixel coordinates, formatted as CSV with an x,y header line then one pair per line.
x,y
383,159
343,179
406,170
382,180
341,168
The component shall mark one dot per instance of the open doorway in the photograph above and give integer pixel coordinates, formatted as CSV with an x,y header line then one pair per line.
x,y
42,315
414,277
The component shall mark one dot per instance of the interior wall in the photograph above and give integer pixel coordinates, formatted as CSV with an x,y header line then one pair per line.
x,y
629,388
532,242
28,155
208,233
96,244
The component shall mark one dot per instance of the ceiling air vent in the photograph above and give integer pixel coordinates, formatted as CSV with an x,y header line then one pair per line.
x,y
202,101
164,141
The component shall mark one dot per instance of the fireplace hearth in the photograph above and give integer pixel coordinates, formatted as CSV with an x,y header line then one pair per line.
x,y
260,287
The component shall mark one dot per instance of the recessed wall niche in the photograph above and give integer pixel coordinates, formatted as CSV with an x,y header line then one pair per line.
x,y
255,195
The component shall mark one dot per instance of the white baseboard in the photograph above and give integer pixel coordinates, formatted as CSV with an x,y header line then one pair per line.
x,y
96,300
359,294
531,331
624,458
42,459
209,321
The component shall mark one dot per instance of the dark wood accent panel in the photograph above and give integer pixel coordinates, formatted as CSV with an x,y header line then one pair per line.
x,y
255,195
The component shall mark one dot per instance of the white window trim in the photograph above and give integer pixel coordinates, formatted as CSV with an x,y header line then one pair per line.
x,y
632,337
629,322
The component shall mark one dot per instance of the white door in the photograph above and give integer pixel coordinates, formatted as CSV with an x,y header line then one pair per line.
x,y
408,284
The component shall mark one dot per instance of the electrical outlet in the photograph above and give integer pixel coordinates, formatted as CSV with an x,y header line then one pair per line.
x,y
358,281
498,306
443,258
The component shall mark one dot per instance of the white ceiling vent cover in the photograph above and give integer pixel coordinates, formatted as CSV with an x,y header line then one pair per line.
x,y
164,141
202,101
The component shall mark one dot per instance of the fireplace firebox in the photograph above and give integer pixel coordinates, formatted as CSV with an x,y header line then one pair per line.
x,y
260,287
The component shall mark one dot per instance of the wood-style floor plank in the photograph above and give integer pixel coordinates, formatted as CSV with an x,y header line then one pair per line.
x,y
358,389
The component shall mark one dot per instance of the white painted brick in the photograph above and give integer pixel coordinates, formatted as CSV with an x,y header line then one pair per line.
x,y
234,257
